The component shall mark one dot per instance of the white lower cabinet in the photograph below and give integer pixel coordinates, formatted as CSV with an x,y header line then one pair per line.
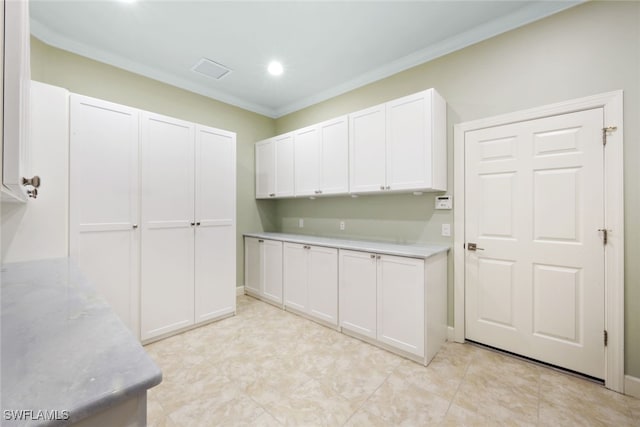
x,y
310,276
263,269
396,302
399,302
400,310
358,292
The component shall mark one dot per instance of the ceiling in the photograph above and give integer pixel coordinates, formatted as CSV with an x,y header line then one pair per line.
x,y
326,48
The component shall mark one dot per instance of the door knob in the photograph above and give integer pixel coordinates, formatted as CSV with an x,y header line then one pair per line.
x,y
134,226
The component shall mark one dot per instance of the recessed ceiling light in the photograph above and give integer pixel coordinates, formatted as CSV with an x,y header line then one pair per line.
x,y
275,68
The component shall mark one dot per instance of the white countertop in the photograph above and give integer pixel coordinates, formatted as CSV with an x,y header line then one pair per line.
x,y
63,348
416,250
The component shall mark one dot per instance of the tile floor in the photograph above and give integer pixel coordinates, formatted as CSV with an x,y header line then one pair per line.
x,y
267,367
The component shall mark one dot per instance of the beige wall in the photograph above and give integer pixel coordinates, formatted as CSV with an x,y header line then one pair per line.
x,y
87,77
586,50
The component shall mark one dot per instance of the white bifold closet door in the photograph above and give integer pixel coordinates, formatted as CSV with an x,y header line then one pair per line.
x,y
167,212
104,201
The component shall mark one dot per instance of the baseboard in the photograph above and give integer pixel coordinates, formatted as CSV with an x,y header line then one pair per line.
x,y
239,290
632,386
451,333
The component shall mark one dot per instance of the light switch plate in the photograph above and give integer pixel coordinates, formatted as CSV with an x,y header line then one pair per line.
x,y
446,230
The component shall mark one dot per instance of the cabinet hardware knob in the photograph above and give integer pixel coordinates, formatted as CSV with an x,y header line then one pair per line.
x,y
319,191
388,187
198,223
33,193
134,226
260,241
272,195
35,181
382,187
378,257
373,256
193,223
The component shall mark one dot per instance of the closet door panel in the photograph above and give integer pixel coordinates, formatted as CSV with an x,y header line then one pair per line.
x,y
167,271
103,197
215,266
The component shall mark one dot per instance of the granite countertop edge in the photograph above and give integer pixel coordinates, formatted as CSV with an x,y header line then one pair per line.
x,y
412,250
63,346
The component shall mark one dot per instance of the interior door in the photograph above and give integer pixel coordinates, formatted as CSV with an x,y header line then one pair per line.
x,y
534,206
167,260
103,193
215,239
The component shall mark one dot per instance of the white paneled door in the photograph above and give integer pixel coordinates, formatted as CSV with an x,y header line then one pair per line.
x,y
534,206
167,267
215,231
103,237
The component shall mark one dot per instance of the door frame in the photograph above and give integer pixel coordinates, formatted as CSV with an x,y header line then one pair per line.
x,y
612,104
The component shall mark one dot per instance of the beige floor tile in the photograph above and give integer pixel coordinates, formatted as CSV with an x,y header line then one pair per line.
x,y
311,405
567,397
365,419
268,367
457,416
398,402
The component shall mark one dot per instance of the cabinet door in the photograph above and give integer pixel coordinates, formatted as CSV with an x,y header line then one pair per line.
x,y
323,283
104,197
401,303
334,156
167,267
367,150
357,290
265,169
272,270
252,265
16,83
284,186
307,161
295,275
215,212
409,143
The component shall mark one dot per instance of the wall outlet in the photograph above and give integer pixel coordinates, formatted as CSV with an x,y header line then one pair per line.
x,y
300,223
342,225
446,230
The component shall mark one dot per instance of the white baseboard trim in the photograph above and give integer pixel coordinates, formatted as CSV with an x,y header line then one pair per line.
x,y
239,290
632,386
451,333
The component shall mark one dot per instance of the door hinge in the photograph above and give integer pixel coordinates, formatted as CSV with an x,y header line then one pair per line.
x,y
605,235
606,338
606,131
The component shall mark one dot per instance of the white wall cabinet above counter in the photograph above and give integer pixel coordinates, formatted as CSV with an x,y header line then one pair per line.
x,y
397,146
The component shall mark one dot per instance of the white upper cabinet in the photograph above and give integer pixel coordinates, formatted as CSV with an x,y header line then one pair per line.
x,y
399,145
367,150
274,167
416,143
284,165
321,158
334,156
16,113
265,169
307,161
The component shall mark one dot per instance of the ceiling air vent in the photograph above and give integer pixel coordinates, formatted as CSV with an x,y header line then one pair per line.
x,y
211,69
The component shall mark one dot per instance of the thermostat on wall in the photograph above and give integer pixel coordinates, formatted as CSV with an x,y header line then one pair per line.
x,y
444,202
